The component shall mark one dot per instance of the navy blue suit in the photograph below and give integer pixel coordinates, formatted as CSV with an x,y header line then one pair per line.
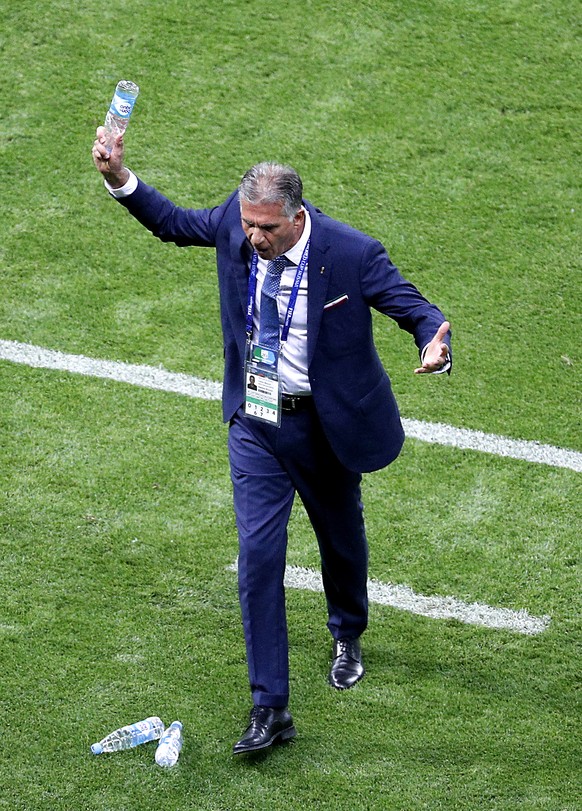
x,y
354,425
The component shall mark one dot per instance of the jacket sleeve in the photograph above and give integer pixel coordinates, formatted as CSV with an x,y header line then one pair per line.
x,y
171,223
385,289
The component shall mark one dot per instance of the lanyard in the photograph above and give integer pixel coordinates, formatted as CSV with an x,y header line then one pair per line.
x,y
292,298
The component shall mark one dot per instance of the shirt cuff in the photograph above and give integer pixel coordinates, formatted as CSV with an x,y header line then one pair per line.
x,y
124,191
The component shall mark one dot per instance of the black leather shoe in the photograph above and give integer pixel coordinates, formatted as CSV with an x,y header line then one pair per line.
x,y
346,666
268,725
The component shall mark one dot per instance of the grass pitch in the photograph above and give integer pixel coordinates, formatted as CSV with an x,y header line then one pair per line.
x,y
447,130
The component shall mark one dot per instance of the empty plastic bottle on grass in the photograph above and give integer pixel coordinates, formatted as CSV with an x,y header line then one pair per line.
x,y
121,107
170,745
151,729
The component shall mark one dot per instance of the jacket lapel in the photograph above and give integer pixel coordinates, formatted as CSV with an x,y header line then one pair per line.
x,y
318,273
240,255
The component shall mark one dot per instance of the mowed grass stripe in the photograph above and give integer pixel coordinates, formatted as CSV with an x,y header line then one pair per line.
x,y
160,379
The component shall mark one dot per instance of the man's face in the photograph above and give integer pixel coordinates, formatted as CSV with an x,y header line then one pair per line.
x,y
268,230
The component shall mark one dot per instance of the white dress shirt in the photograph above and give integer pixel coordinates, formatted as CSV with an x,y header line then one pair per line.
x,y
293,358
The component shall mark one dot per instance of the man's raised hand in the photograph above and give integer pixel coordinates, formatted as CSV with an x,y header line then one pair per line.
x,y
108,158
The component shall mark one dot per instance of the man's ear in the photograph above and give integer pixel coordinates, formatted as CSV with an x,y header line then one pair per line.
x,y
299,218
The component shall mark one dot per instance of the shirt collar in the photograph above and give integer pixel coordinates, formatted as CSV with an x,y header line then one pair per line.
x,y
295,253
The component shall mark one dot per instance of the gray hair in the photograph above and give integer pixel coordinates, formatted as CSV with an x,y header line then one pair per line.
x,y
272,183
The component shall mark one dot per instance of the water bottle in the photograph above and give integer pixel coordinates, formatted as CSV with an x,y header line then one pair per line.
x,y
122,104
170,745
151,729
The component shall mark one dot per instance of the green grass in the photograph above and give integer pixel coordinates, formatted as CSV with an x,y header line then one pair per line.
x,y
449,130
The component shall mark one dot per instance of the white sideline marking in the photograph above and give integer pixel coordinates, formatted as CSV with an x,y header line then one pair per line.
x,y
405,599
156,378
148,377
441,434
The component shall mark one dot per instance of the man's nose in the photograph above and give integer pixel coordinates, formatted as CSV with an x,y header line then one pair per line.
x,y
256,236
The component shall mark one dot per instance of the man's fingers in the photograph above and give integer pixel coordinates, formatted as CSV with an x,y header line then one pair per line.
x,y
442,331
99,152
436,353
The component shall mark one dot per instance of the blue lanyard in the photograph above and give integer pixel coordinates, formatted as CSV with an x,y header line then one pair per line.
x,y
292,298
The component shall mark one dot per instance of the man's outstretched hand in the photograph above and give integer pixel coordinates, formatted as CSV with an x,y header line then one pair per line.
x,y
436,353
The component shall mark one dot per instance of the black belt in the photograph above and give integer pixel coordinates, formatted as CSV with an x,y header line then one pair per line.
x,y
296,402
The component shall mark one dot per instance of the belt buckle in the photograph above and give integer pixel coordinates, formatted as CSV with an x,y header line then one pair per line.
x,y
293,402
287,403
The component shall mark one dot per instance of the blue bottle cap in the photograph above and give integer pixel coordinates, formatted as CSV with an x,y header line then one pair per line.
x,y
96,748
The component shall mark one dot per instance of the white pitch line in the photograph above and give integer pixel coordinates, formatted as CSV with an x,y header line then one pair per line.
x,y
157,378
148,377
464,438
443,608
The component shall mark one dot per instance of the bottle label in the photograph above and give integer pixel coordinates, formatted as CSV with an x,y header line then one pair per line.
x,y
143,731
122,105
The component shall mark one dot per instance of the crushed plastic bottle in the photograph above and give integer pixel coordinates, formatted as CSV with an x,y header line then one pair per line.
x,y
121,107
170,745
151,729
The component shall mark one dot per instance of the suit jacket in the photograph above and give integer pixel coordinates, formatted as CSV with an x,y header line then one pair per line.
x,y
348,273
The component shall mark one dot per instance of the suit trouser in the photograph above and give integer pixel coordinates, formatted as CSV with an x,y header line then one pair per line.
x,y
268,465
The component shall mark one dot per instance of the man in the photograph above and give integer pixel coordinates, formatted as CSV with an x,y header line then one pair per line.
x,y
296,288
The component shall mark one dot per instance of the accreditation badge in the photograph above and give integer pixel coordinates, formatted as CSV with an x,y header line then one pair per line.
x,y
262,389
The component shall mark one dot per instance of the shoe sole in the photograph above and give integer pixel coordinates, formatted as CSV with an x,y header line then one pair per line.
x,y
279,737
